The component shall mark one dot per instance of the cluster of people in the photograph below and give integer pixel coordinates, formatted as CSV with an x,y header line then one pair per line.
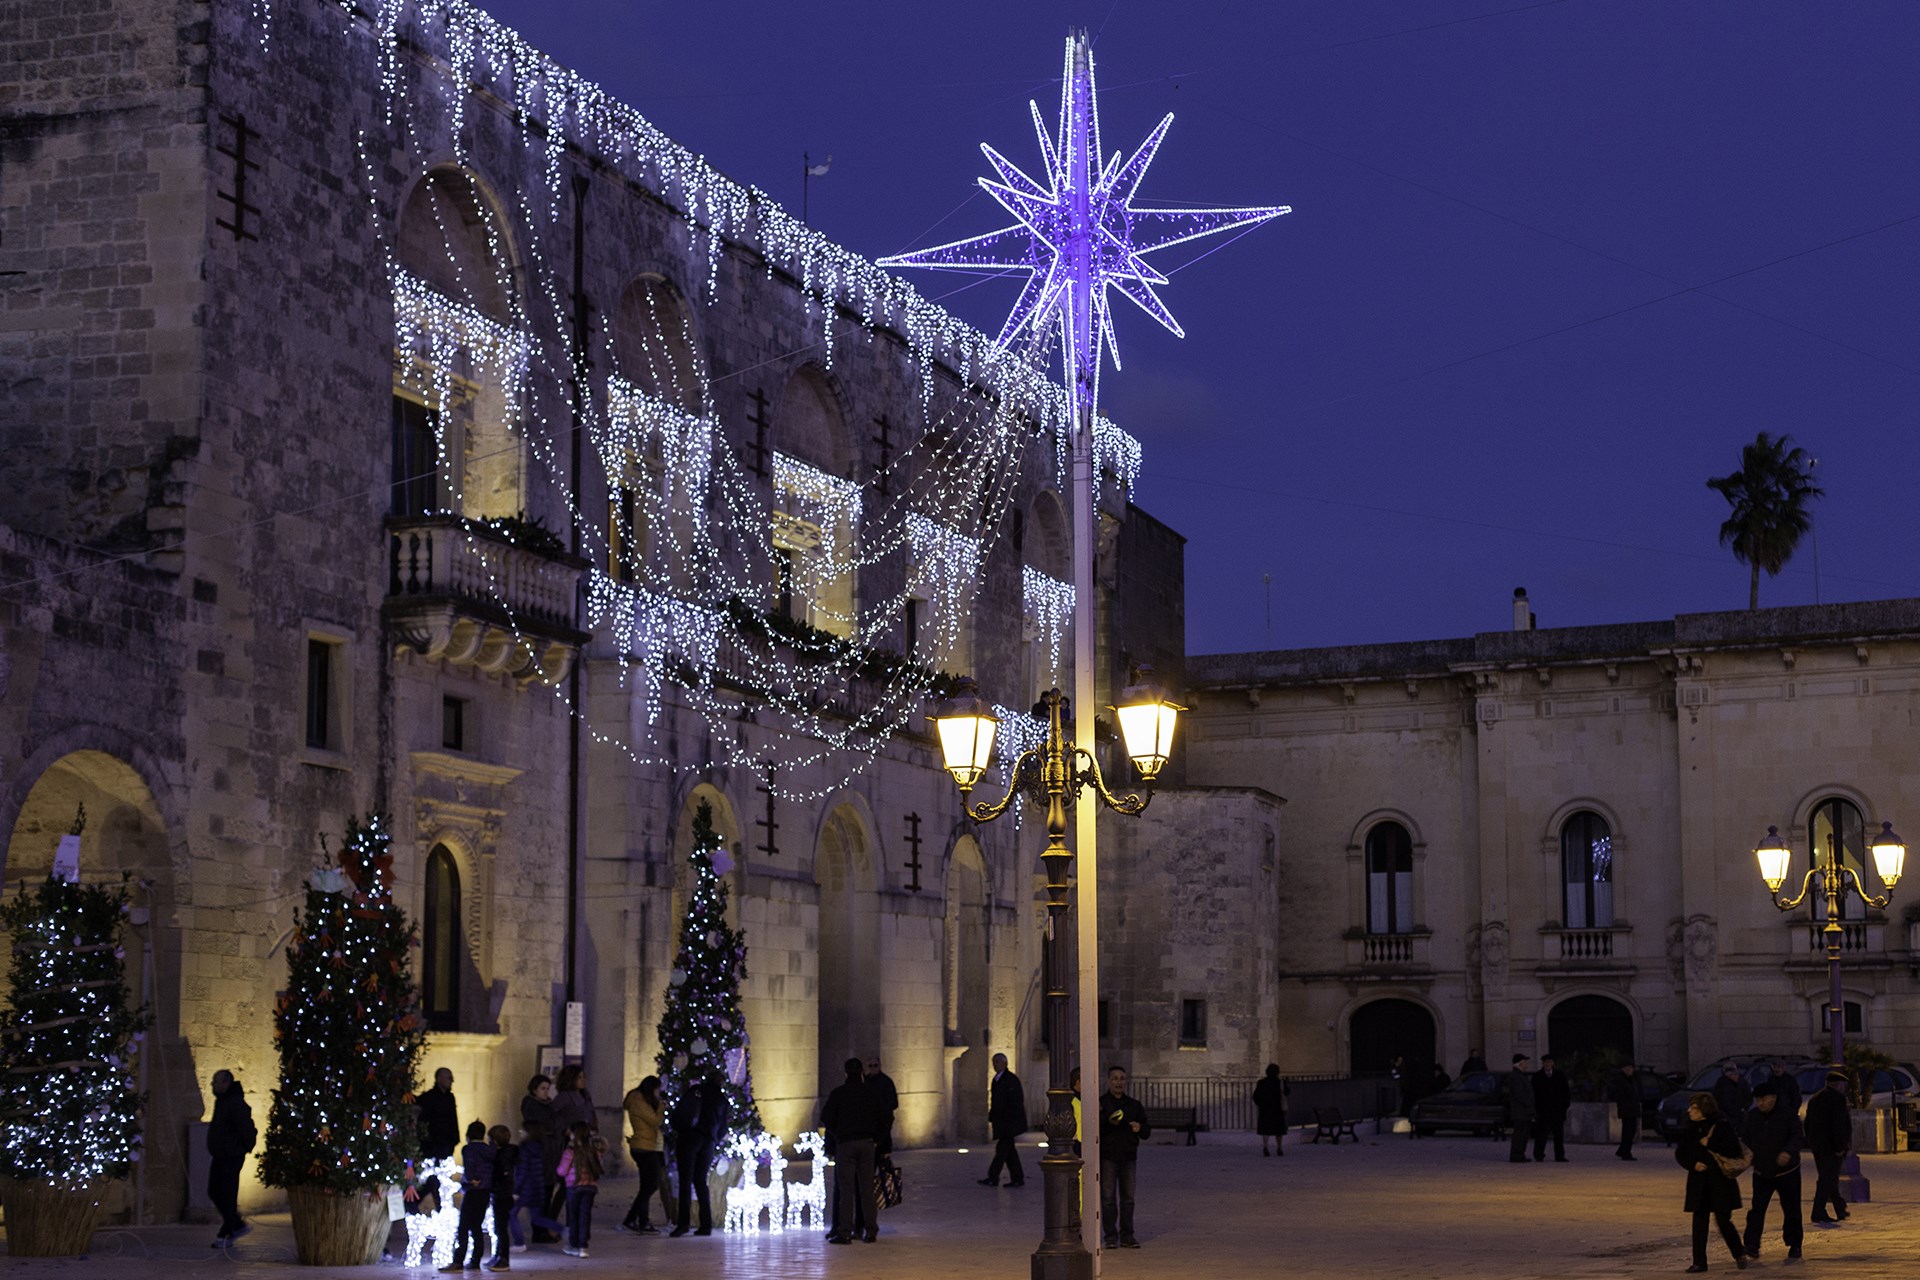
x,y
1726,1125
857,1120
1537,1106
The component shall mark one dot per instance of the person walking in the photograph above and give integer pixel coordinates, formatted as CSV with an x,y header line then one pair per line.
x,y
1772,1132
1520,1108
536,1120
854,1119
1402,1084
1007,1115
645,1119
1552,1099
1829,1135
1270,1109
1711,1193
1732,1095
230,1136
476,1182
580,1169
699,1119
1123,1127
1624,1092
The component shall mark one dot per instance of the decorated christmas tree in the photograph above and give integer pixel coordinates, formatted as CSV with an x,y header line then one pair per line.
x,y
348,1028
69,1112
703,1033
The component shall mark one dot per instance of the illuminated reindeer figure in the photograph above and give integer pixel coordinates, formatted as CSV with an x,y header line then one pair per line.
x,y
747,1198
809,1196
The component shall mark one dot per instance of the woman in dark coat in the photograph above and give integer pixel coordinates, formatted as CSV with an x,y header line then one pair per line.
x,y
1710,1192
1270,1109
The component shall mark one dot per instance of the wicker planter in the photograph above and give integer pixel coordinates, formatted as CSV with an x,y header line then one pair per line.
x,y
331,1230
46,1222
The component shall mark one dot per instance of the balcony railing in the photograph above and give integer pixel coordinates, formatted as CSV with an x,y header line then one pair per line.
x,y
1856,937
1604,946
467,595
443,557
1387,950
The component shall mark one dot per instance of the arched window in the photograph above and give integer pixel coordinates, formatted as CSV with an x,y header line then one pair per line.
x,y
1838,822
1389,879
1586,871
440,943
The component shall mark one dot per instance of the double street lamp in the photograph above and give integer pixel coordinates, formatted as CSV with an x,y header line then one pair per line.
x,y
1775,856
1055,772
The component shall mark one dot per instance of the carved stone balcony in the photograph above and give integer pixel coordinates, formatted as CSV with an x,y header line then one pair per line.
x,y
1570,952
1863,943
465,595
1388,952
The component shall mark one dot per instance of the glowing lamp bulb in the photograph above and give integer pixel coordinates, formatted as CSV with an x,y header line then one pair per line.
x,y
1147,719
966,728
1889,855
1774,857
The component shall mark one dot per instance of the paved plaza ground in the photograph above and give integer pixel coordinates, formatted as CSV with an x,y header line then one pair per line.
x,y
1388,1207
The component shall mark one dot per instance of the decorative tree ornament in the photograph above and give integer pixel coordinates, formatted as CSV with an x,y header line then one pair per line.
x,y
677,978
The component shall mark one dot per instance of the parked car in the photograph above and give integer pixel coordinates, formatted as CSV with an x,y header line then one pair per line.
x,y
1476,1102
1671,1114
1891,1085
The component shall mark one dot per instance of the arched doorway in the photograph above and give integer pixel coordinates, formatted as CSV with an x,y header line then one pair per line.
x,y
1380,1030
966,989
850,974
1586,1026
125,832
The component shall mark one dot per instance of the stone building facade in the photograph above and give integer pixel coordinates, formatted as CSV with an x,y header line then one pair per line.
x,y
1536,840
289,532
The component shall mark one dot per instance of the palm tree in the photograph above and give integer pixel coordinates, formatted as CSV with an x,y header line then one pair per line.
x,y
1771,496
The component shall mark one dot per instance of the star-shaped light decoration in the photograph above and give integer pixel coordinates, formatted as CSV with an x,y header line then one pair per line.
x,y
1079,235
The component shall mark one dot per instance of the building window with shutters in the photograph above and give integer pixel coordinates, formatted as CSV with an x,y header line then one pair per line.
x,y
1389,879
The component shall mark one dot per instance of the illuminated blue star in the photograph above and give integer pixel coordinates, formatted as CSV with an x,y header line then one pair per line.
x,y
1079,235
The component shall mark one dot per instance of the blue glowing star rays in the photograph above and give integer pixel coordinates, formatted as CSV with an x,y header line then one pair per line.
x,y
1079,235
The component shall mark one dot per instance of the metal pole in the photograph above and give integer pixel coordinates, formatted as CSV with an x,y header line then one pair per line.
x,y
1836,1003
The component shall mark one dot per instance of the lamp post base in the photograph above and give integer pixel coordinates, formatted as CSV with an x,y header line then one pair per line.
x,y
1061,1256
1855,1186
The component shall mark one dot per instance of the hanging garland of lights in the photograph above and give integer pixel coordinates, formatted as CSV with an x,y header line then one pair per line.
x,y
710,522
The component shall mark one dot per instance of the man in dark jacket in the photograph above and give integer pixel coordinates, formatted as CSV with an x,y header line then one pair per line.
x,y
230,1136
1772,1133
1623,1091
1788,1087
888,1099
1123,1125
854,1121
1473,1063
1733,1095
1552,1098
699,1121
1007,1115
1520,1107
439,1118
1829,1138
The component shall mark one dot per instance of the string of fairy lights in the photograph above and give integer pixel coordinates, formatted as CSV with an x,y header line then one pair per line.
x,y
697,542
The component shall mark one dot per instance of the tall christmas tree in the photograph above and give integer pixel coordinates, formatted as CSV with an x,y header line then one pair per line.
x,y
703,1034
348,1028
69,1112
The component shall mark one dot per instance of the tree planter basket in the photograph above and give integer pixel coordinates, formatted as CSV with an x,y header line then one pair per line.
x,y
333,1230
47,1222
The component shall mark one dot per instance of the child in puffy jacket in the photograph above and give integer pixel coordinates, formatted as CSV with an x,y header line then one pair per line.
x,y
476,1181
530,1187
580,1167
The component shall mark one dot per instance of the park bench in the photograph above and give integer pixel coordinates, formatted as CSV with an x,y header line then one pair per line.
x,y
1328,1123
1176,1119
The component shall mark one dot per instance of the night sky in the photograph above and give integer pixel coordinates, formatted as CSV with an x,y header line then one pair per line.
x,y
1549,266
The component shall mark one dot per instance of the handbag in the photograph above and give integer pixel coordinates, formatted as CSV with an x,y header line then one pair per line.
x,y
889,1187
1734,1166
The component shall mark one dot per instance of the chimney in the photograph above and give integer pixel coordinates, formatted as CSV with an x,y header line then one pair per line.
x,y
1523,619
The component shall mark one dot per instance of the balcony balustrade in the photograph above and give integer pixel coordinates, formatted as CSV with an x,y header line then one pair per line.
x,y
465,595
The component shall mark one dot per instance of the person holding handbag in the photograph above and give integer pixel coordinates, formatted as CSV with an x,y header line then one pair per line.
x,y
1711,1153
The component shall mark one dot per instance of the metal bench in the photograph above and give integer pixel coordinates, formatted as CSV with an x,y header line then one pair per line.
x,y
1176,1119
1328,1123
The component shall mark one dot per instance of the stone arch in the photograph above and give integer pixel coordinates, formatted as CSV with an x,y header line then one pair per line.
x,y
126,832
1801,838
655,344
967,923
1046,542
1389,1022
810,422
453,235
468,950
846,870
1588,1020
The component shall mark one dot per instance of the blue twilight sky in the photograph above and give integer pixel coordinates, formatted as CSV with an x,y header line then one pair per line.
x,y
1550,264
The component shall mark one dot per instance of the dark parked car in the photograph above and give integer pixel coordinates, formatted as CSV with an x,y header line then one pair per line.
x,y
1475,1102
1672,1111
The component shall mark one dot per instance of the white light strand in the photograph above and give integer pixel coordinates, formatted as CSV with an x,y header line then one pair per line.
x,y
1048,604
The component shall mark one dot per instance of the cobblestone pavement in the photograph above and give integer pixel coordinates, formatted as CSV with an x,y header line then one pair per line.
x,y
1388,1207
